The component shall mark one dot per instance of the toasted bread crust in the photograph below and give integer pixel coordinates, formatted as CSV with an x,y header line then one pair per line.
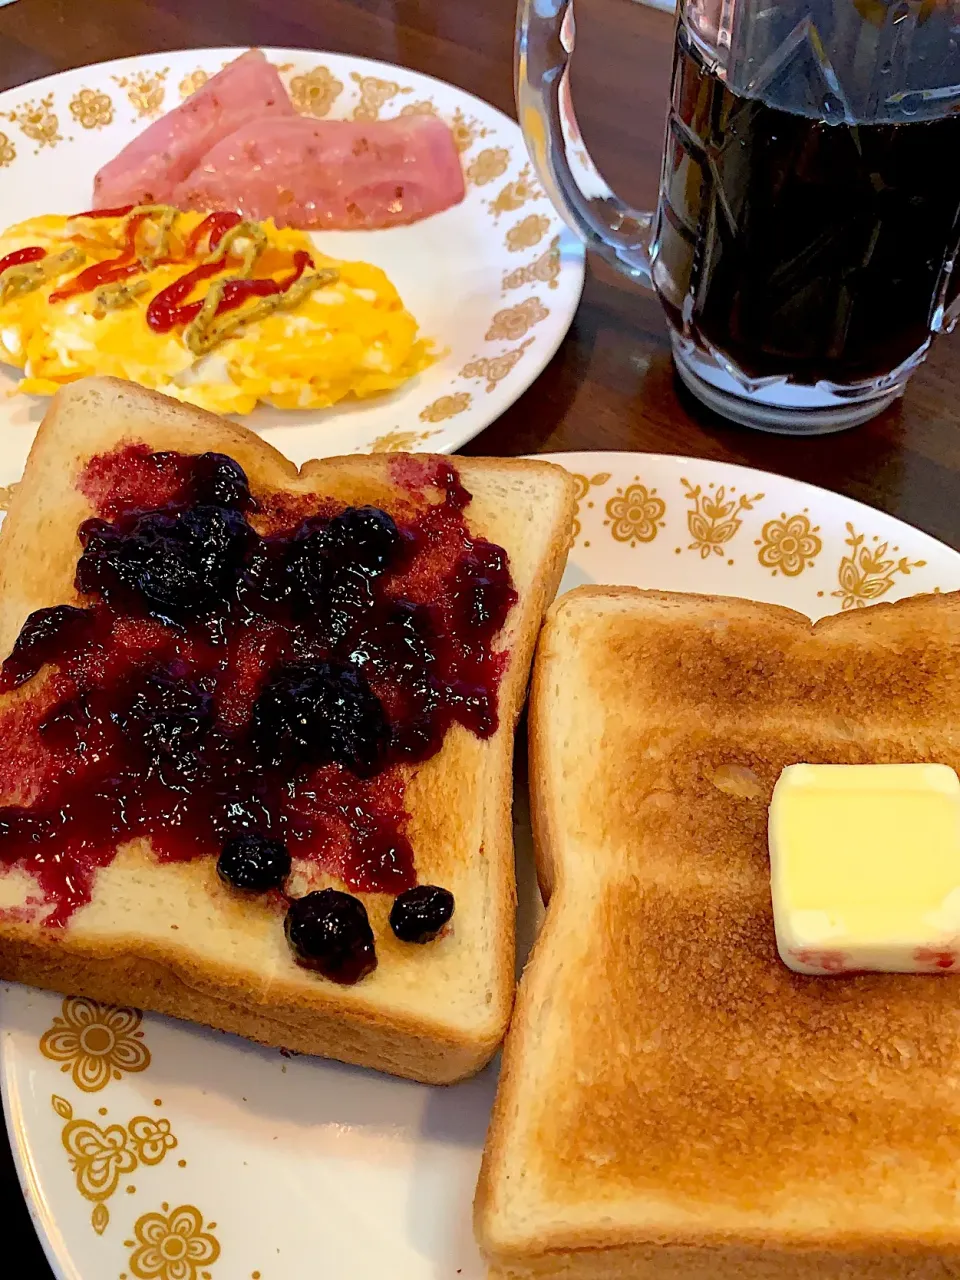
x,y
683,1262
170,938
674,1102
413,1047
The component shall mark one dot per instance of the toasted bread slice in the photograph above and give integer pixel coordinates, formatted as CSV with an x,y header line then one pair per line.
x,y
170,937
674,1101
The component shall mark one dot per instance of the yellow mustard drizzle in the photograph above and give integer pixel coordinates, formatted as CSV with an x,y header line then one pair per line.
x,y
203,333
167,217
113,297
202,340
18,280
250,231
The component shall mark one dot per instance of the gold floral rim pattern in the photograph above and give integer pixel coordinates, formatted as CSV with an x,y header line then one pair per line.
x,y
527,232
145,90
38,121
400,441
490,164
446,407
100,1155
98,1043
635,514
173,1244
867,572
543,270
715,517
95,1043
787,544
374,95
790,544
513,322
494,369
314,92
522,190
92,109
583,487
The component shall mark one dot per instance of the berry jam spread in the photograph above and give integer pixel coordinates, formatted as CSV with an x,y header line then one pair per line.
x,y
245,668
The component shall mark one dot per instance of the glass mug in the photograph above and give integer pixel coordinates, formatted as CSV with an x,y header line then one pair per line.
x,y
809,212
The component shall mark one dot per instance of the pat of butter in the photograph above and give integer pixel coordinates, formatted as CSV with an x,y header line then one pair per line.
x,y
865,868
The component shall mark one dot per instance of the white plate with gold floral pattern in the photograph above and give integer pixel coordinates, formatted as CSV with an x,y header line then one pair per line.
x,y
494,281
152,1150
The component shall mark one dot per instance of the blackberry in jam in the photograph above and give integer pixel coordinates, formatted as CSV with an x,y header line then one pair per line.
x,y
45,635
335,598
168,716
329,931
480,583
177,566
218,481
419,914
254,863
325,713
360,541
333,564
365,537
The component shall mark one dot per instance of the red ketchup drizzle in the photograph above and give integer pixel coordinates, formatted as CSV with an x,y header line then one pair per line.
x,y
102,273
120,211
167,309
81,779
35,253
20,257
215,226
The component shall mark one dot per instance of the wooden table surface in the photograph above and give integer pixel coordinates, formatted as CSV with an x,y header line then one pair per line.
x,y
611,385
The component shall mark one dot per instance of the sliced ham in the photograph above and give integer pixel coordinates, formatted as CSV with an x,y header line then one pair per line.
x,y
332,174
149,168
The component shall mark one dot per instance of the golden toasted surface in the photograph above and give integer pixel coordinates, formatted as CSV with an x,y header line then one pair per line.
x,y
667,1079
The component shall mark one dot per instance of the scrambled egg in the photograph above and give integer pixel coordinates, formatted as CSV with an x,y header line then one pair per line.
x,y
349,337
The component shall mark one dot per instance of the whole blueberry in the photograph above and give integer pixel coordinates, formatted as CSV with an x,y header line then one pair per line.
x,y
419,914
329,931
254,863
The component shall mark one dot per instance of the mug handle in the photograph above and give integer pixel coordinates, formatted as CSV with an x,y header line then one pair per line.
x,y
544,46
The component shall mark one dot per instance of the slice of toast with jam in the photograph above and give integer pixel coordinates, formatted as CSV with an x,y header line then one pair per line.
x,y
258,729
